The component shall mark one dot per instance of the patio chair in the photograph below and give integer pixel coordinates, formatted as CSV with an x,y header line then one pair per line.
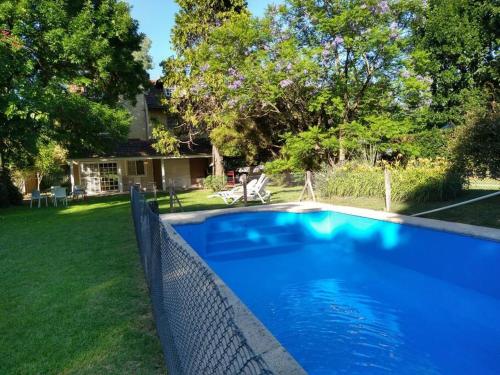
x,y
37,196
256,190
60,194
79,191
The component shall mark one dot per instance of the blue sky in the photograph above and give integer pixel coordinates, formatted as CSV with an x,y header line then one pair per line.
x,y
156,18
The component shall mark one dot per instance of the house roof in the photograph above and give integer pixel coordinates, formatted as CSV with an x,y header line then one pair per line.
x,y
136,148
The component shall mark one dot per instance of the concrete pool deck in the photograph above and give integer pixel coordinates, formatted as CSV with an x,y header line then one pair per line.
x,y
447,226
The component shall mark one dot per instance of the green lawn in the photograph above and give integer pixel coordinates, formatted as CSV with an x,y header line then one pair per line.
x,y
73,298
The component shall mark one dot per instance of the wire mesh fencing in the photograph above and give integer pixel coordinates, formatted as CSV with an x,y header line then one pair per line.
x,y
194,320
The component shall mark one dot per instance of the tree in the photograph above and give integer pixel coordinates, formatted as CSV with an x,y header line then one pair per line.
x,y
305,151
195,20
49,159
143,55
460,38
475,148
68,65
362,49
193,23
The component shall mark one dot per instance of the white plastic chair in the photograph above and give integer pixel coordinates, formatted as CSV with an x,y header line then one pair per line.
x,y
60,194
37,196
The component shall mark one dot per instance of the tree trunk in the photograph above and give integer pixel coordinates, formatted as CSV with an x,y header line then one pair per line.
x,y
218,168
38,180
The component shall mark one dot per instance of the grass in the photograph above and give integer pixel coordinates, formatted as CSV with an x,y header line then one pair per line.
x,y
73,298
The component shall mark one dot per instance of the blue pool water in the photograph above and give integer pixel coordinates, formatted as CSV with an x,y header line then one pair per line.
x,y
351,295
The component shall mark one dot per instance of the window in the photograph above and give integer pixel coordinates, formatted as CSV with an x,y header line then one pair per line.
x,y
136,168
100,177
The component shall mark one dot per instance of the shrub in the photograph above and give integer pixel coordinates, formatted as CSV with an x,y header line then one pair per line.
x,y
9,193
214,183
420,181
287,178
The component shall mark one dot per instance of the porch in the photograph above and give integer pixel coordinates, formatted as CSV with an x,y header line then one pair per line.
x,y
113,175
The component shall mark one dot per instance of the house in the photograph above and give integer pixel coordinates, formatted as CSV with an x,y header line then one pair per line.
x,y
136,162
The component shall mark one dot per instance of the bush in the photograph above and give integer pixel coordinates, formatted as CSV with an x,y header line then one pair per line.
x,y
214,183
9,193
475,147
419,181
287,179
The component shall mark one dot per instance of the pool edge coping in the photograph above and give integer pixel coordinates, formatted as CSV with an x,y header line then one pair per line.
x,y
308,206
259,338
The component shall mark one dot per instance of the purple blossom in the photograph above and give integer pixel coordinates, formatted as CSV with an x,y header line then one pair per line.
x,y
235,84
198,86
383,7
405,74
204,68
289,66
394,30
338,40
285,83
232,103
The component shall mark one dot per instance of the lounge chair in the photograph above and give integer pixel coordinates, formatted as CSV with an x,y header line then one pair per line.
x,y
37,196
256,190
228,195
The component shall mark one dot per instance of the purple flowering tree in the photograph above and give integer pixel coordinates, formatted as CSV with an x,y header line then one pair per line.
x,y
360,46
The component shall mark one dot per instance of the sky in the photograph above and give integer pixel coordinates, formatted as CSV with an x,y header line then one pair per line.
x,y
156,19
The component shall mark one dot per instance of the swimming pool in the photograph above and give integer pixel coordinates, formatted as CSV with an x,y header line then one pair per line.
x,y
350,294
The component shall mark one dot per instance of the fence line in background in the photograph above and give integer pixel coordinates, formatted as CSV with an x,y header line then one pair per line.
x,y
458,204
193,319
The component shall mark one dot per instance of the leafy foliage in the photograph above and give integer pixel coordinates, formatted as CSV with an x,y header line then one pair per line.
x,y
215,183
314,82
475,149
305,151
49,159
461,40
68,65
9,194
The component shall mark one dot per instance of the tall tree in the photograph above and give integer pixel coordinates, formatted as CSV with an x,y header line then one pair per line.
x,y
461,38
362,48
193,23
195,20
143,55
68,65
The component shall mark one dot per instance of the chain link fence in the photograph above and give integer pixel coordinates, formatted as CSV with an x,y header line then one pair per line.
x,y
194,320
